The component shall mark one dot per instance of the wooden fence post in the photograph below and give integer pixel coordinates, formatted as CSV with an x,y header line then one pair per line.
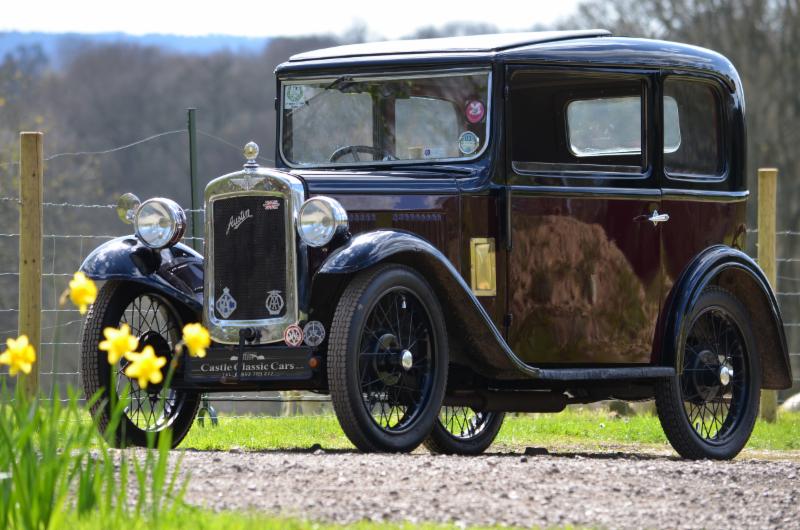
x,y
31,169
767,191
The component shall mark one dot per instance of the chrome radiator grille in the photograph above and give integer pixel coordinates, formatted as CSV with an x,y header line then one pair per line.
x,y
249,257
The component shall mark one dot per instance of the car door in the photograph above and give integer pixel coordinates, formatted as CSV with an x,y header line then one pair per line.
x,y
584,271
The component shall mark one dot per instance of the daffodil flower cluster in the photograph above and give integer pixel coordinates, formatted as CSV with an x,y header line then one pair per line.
x,y
196,339
19,356
82,291
145,366
119,343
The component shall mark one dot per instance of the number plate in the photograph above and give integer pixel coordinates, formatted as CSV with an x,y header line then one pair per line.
x,y
265,364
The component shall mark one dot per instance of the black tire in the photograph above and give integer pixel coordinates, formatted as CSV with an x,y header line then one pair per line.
x,y
702,416
158,324
365,359
463,431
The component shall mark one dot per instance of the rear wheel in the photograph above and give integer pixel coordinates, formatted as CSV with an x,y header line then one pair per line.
x,y
387,360
463,431
709,409
148,412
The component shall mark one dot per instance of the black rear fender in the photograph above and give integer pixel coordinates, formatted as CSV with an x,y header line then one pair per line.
x,y
735,271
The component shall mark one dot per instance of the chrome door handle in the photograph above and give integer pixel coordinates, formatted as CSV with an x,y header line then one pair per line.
x,y
656,217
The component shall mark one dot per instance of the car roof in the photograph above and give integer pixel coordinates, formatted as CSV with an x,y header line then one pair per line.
x,y
586,47
469,44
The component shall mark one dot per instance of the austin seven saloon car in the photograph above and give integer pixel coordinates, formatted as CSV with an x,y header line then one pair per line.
x,y
458,228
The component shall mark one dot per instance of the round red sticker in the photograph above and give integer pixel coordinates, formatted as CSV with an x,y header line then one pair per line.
x,y
293,336
475,111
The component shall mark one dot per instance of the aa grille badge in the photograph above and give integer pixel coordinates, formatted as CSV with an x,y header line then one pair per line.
x,y
226,304
274,302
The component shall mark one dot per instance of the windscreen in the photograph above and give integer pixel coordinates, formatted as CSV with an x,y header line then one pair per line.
x,y
363,121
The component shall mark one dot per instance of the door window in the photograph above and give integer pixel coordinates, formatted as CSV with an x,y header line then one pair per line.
x,y
572,123
605,126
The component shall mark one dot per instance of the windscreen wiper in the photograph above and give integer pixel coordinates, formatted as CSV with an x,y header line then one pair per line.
x,y
336,83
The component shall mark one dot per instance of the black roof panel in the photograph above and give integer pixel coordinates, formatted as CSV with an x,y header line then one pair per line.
x,y
472,44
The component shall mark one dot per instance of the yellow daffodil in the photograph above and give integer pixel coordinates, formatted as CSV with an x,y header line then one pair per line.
x,y
119,343
196,338
82,291
19,356
145,367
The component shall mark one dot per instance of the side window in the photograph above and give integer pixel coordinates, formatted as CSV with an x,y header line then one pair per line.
x,y
692,129
577,122
605,126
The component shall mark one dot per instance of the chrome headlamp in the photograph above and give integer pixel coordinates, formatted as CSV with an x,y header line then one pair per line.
x,y
320,220
159,222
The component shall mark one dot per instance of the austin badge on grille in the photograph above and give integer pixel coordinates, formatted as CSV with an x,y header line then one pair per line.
x,y
226,304
274,302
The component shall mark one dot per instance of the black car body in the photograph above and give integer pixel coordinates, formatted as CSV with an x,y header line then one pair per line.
x,y
565,211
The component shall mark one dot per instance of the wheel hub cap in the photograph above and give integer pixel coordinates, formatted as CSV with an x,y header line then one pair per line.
x,y
407,360
725,374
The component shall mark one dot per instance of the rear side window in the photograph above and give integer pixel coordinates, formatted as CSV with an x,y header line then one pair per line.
x,y
577,122
693,128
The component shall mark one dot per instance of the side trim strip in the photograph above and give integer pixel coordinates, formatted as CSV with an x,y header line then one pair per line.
x,y
705,196
584,191
589,374
638,193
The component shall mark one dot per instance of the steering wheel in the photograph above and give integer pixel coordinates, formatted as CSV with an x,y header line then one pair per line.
x,y
353,150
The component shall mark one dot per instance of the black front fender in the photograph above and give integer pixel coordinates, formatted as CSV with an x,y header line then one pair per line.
x,y
738,273
474,339
176,271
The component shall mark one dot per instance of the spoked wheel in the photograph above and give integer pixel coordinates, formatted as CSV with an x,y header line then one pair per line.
x,y
463,431
156,323
387,361
709,410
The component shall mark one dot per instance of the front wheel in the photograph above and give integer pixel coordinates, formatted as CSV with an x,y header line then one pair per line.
x,y
709,409
387,360
156,322
464,431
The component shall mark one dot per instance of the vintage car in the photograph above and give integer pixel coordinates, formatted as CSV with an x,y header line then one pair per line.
x,y
459,228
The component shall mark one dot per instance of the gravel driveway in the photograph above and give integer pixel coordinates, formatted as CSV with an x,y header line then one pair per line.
x,y
609,490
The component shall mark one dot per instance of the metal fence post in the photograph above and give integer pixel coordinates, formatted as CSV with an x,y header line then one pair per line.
x,y
197,198
767,192
31,169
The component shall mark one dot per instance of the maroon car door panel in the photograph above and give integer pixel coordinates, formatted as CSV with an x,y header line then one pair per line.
x,y
585,269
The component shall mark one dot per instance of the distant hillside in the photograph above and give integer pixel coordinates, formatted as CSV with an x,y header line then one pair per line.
x,y
51,43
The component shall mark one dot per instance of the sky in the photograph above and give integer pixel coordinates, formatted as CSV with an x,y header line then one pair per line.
x,y
259,18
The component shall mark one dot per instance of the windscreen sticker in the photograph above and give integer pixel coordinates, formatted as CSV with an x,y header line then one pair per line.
x,y
468,142
434,153
294,97
475,111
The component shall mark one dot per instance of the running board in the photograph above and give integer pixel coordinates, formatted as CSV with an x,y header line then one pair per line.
x,y
605,374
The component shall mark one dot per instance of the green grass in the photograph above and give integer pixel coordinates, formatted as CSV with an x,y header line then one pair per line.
x,y
200,519
571,429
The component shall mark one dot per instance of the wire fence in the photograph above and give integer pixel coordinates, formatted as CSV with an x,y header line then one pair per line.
x,y
63,251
